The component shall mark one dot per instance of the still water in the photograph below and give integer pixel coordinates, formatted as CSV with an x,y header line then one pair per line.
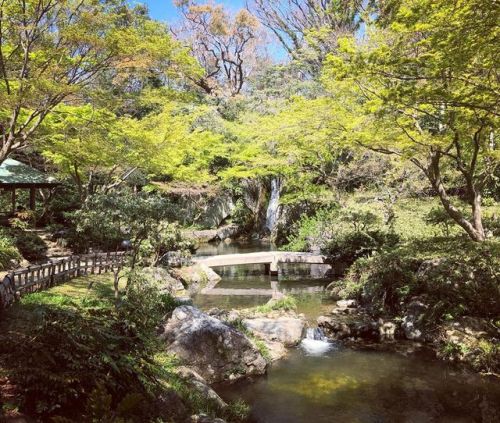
x,y
342,384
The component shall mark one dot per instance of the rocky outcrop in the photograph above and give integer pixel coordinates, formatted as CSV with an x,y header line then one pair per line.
x,y
228,231
204,206
162,278
470,340
413,320
348,321
201,236
215,350
195,278
217,210
199,385
285,330
278,330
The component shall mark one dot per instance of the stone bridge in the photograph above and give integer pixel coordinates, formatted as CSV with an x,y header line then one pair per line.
x,y
270,259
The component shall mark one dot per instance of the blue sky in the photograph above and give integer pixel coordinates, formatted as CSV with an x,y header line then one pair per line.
x,y
164,10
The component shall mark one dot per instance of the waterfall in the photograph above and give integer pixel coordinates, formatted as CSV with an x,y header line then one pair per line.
x,y
315,342
273,208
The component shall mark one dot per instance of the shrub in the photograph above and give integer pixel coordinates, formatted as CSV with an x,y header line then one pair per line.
x,y
18,242
66,354
462,278
343,235
286,303
9,254
439,217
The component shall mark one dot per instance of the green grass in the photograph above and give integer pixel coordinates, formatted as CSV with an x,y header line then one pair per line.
x,y
85,291
410,222
286,304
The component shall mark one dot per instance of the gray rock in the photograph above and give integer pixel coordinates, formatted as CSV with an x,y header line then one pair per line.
x,y
197,383
202,236
196,277
283,329
217,210
412,323
228,231
347,303
162,278
213,349
337,327
386,330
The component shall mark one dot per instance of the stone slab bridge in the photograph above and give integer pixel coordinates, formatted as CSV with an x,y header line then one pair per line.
x,y
270,259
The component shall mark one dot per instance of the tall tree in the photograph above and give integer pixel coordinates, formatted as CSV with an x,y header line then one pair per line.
x,y
308,29
429,84
50,50
226,46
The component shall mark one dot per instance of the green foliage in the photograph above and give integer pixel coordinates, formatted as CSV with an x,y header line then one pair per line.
x,y
165,238
105,220
87,50
461,278
286,303
9,253
237,411
28,244
74,357
439,217
408,98
344,235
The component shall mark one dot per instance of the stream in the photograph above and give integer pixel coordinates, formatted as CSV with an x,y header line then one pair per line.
x,y
322,381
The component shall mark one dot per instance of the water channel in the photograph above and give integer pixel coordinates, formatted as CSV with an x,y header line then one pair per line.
x,y
341,384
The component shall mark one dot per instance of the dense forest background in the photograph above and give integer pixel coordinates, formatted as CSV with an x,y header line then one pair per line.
x,y
373,140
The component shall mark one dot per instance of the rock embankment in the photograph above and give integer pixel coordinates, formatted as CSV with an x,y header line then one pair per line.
x,y
215,350
277,330
348,321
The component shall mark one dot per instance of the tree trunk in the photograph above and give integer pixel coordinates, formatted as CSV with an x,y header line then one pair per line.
x,y
475,229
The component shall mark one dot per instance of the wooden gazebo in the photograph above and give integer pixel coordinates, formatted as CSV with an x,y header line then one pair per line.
x,y
15,175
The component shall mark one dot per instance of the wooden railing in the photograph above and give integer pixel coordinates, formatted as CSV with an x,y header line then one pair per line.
x,y
42,276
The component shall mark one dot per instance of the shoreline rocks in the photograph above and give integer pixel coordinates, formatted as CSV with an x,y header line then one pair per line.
x,y
215,350
195,278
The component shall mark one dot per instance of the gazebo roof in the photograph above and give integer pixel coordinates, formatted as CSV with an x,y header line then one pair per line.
x,y
15,174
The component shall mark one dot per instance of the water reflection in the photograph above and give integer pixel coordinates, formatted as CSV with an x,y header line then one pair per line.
x,y
356,386
339,384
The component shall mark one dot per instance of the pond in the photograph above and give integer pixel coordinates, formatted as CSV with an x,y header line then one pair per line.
x,y
341,384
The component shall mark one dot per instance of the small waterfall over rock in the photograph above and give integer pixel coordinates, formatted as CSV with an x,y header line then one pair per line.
x,y
315,342
273,209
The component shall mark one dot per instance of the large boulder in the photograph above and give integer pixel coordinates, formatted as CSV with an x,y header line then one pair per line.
x,y
213,349
413,320
199,385
160,277
286,330
201,236
195,278
228,231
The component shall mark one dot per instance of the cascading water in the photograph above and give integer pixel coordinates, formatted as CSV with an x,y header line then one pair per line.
x,y
315,342
273,209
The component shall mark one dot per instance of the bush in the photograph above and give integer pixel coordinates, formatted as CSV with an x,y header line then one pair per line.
x,y
72,357
166,238
460,278
286,303
17,242
343,235
9,254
